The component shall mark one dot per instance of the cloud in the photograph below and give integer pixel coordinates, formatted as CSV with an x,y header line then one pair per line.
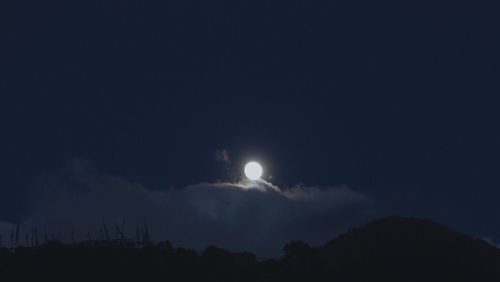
x,y
246,216
490,241
223,156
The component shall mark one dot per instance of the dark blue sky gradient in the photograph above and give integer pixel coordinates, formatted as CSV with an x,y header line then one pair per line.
x,y
399,101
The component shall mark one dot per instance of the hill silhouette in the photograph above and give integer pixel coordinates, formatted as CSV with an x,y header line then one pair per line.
x,y
389,249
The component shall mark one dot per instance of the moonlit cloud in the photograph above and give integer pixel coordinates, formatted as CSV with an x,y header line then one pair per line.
x,y
247,216
223,156
490,241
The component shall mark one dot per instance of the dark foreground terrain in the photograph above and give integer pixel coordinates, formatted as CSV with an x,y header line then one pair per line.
x,y
390,249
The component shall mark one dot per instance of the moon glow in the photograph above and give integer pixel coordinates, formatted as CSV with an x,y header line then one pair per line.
x,y
253,170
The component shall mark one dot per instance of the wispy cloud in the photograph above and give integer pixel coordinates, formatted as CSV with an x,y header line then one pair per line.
x,y
490,241
223,156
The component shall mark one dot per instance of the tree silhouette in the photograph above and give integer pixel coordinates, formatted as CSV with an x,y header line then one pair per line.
x,y
390,249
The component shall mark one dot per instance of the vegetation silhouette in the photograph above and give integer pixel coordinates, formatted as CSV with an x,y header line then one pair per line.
x,y
389,249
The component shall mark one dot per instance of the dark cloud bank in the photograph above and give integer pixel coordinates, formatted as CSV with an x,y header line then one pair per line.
x,y
253,216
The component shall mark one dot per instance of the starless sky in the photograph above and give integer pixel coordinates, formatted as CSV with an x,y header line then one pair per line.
x,y
398,101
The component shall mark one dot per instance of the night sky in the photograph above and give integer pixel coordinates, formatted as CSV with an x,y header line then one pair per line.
x,y
398,102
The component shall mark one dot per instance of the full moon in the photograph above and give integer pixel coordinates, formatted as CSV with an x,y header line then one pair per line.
x,y
253,170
